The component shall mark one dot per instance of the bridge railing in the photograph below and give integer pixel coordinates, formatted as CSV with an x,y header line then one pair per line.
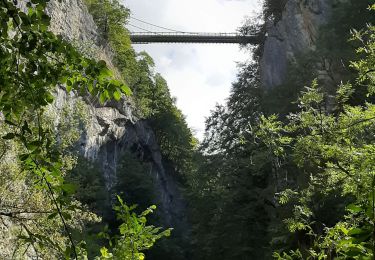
x,y
187,33
192,37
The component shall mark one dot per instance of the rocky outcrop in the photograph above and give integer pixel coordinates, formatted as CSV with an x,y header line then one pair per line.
x,y
71,19
295,34
112,129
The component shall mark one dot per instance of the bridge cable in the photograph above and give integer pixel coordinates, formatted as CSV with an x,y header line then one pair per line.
x,y
161,27
139,28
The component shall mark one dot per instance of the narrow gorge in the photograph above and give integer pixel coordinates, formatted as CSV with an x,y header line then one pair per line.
x,y
89,128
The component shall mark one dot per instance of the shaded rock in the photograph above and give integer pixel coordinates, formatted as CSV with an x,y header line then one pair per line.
x,y
111,129
293,35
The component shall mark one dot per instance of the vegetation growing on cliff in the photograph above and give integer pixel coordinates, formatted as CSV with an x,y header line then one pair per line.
x,y
151,93
315,155
334,211
153,104
38,211
298,184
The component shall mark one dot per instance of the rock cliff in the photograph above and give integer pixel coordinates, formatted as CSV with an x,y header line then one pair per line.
x,y
113,128
295,34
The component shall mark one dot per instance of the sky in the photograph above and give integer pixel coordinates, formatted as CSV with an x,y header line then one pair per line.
x,y
198,75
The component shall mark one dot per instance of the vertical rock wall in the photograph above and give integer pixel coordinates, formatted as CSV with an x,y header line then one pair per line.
x,y
71,19
113,128
293,35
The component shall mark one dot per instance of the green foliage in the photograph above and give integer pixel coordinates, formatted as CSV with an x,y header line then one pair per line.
x,y
315,157
135,181
135,235
110,16
151,93
33,62
28,206
273,9
346,16
172,132
337,151
153,102
90,185
365,67
230,206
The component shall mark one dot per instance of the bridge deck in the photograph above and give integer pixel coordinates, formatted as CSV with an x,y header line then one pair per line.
x,y
156,37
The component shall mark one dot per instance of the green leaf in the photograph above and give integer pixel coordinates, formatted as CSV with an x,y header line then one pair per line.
x,y
69,188
117,95
120,200
66,215
69,87
9,122
356,231
68,252
126,90
102,63
33,145
25,127
9,136
49,97
24,157
354,208
104,252
102,98
53,215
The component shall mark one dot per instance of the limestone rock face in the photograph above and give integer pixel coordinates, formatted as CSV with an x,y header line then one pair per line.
x,y
113,128
293,35
71,19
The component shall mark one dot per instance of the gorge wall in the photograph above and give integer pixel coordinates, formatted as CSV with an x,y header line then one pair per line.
x,y
295,34
112,128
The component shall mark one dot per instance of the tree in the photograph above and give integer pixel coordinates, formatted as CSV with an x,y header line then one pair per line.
x,y
336,150
33,62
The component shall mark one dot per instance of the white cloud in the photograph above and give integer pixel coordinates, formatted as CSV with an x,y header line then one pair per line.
x,y
199,75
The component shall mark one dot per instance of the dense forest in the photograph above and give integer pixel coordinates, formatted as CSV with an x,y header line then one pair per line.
x,y
286,172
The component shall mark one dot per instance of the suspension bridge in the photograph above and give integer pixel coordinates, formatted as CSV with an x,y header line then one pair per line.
x,y
146,36
185,37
